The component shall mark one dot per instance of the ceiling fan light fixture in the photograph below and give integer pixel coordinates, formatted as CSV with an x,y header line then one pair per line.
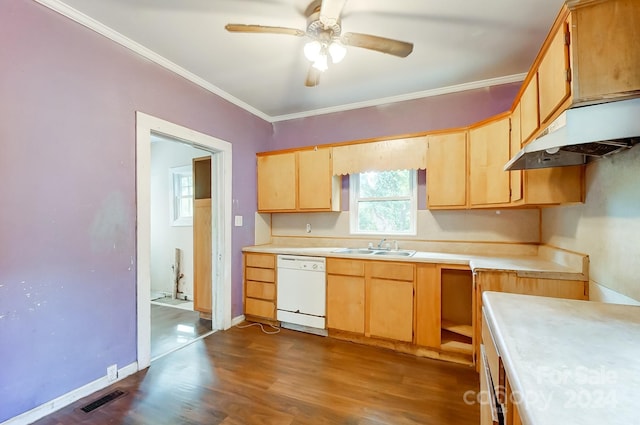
x,y
337,51
312,50
321,63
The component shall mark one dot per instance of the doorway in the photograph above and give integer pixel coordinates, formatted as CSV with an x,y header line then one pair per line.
x,y
175,320
220,151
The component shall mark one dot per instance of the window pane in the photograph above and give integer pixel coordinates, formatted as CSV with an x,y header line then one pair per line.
x,y
384,216
385,184
185,207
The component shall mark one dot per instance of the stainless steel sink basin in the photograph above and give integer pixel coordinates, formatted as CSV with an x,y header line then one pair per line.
x,y
366,251
396,253
359,251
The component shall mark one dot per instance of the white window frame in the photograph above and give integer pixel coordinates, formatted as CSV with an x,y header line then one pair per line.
x,y
355,199
176,216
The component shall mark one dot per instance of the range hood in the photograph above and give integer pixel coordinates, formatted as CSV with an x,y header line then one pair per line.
x,y
580,134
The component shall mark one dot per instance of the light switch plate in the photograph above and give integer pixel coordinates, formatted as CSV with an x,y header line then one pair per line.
x,y
238,221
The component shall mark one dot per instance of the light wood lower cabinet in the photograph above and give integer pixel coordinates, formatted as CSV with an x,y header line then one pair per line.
x,y
260,287
371,298
345,303
498,403
389,300
512,283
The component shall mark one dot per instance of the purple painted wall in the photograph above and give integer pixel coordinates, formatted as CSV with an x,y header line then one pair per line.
x,y
414,116
67,209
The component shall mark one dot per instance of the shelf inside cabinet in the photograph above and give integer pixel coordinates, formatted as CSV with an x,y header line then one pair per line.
x,y
456,343
460,329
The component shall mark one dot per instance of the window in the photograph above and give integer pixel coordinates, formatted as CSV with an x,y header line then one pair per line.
x,y
383,202
182,196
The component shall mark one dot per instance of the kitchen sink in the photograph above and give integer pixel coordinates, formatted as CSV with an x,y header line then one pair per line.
x,y
361,251
367,251
396,253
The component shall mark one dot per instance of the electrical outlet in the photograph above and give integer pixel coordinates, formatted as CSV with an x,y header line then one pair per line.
x,y
308,228
112,372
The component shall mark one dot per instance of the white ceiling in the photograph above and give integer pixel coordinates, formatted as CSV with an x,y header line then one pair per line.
x,y
456,42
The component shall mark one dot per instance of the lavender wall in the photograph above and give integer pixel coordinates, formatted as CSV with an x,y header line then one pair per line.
x,y
67,226
415,116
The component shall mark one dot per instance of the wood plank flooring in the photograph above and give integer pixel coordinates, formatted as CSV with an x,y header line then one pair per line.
x,y
172,328
243,376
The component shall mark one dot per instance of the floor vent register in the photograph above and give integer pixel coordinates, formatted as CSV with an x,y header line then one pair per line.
x,y
103,400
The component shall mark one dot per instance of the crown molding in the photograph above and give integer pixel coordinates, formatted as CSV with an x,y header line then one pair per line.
x,y
404,97
100,28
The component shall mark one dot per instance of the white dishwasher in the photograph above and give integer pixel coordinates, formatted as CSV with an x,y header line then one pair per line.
x,y
301,301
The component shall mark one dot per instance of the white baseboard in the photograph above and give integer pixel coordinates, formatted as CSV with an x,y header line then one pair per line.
x,y
605,295
70,397
235,321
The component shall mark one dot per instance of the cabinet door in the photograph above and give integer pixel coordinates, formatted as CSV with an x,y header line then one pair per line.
x,y
277,182
345,303
315,182
447,170
553,75
428,319
489,152
530,118
605,50
516,176
391,309
202,255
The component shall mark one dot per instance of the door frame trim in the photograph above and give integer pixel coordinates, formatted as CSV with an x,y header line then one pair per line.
x,y
221,173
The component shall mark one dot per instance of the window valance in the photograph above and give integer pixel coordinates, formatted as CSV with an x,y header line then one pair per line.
x,y
397,154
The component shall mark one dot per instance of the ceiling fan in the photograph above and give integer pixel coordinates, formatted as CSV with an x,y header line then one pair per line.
x,y
324,29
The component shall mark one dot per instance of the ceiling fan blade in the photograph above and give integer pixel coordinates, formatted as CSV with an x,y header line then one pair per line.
x,y
313,77
330,11
264,29
372,42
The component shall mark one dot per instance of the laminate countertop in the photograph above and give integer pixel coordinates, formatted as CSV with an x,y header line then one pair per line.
x,y
524,266
568,362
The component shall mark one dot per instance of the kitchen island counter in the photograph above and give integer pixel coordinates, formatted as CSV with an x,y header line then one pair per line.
x,y
567,361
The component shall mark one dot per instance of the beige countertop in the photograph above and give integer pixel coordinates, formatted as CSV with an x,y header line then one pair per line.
x,y
568,362
525,266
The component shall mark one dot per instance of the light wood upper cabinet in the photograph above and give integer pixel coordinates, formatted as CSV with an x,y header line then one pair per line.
x,y
277,182
315,182
591,55
604,50
529,117
297,181
489,150
553,74
447,170
516,137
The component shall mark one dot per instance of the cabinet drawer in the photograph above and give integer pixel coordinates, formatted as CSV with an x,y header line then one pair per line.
x,y
493,360
395,271
262,290
345,267
265,261
261,275
261,308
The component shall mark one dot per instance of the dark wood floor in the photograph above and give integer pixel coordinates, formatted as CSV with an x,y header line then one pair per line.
x,y
242,376
172,328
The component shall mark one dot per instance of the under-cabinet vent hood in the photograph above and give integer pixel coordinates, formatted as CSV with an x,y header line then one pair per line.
x,y
579,134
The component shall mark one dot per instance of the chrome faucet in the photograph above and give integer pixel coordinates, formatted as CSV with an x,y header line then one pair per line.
x,y
381,242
